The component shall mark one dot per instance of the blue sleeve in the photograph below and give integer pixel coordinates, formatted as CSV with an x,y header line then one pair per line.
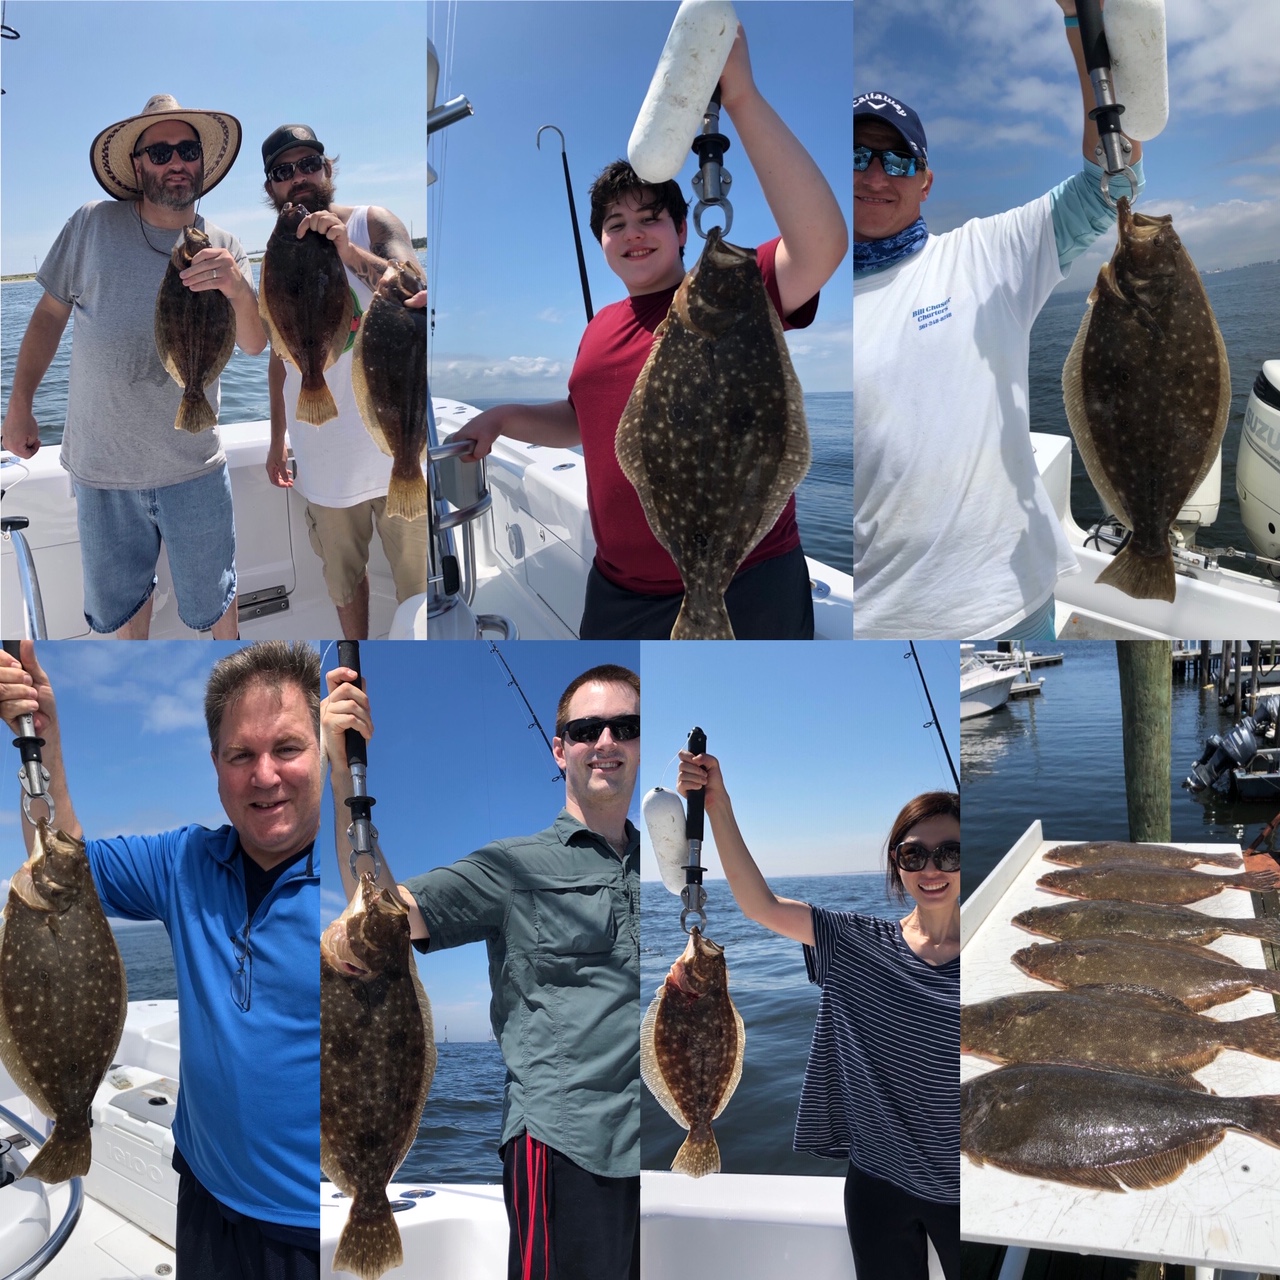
x,y
132,873
817,958
1080,214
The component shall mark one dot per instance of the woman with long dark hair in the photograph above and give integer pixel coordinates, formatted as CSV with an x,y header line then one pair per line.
x,y
881,1088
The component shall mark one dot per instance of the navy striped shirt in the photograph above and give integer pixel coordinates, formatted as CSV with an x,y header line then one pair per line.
x,y
882,1085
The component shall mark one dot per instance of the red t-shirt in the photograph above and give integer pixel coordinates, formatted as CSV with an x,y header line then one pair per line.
x,y
611,354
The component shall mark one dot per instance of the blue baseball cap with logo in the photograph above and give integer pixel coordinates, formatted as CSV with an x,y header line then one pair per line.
x,y
880,106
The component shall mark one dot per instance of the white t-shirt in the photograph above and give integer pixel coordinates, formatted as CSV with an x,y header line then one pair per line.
x,y
954,534
339,465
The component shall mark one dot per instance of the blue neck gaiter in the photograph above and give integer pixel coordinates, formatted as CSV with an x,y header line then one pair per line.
x,y
875,255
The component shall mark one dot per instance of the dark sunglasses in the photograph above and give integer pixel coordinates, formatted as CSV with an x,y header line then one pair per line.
x,y
589,729
911,856
159,152
897,164
283,172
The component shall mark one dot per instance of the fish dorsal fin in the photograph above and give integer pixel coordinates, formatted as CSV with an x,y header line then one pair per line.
x,y
1162,1168
650,1070
737,1062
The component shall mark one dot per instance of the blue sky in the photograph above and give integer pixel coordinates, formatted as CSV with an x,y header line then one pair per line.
x,y
821,744
995,86
354,70
504,276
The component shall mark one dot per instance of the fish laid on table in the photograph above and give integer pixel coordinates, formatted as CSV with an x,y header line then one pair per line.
x,y
306,307
195,334
1137,883
1100,1129
389,378
714,436
1196,976
1097,853
691,1046
1107,918
1120,1030
1147,392
62,996
377,1058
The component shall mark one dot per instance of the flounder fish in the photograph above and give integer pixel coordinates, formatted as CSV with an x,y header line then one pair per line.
x,y
1109,919
62,996
377,1059
691,1046
713,437
1147,392
1121,1030
1151,884
389,378
306,307
195,334
1100,1129
1096,853
1195,976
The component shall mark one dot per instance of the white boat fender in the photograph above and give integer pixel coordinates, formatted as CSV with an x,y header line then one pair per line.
x,y
1258,462
688,71
1139,64
664,819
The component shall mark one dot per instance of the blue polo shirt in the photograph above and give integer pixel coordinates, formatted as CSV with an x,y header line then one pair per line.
x,y
248,1116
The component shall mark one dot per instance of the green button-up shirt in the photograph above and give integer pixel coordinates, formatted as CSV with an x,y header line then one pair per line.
x,y
560,914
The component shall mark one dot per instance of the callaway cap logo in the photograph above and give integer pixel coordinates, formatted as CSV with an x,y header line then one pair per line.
x,y
907,123
877,102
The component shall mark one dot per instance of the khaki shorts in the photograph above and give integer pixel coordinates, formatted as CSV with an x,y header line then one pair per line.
x,y
340,537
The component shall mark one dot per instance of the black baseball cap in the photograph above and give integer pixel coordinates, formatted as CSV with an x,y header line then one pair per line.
x,y
285,138
880,106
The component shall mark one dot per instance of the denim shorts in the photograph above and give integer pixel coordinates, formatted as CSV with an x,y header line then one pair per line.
x,y
120,535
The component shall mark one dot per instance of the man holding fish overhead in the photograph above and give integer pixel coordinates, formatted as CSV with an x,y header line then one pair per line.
x,y
240,904
343,474
955,536
559,914
634,590
139,482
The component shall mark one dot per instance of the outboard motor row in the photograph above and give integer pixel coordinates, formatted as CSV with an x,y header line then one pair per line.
x,y
1234,749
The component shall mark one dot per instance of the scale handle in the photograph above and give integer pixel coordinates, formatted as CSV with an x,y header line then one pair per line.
x,y
694,800
357,747
30,749
1092,35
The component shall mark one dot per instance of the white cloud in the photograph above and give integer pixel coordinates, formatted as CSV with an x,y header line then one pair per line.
x,y
551,315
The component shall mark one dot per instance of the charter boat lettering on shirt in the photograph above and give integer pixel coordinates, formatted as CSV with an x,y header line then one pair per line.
x,y
933,314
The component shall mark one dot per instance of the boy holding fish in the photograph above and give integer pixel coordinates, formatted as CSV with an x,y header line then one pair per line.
x,y
138,482
634,590
954,532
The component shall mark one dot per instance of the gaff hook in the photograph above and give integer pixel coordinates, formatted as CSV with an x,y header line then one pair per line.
x,y
573,218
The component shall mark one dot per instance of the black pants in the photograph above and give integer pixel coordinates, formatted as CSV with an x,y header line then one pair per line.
x,y
211,1247
566,1223
887,1229
770,601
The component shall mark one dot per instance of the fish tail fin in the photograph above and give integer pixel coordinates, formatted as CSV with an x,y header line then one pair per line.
x,y
1143,577
67,1153
195,413
407,496
1231,860
1266,1118
702,616
1266,980
370,1242
1258,881
1260,1035
699,1155
316,403
1266,929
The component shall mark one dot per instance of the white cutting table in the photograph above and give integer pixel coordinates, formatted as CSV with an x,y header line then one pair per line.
x,y
1223,1211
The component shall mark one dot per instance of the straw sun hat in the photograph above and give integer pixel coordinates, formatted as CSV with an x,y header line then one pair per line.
x,y
110,153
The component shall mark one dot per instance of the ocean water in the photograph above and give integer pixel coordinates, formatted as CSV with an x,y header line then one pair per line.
x,y
778,1004
1060,758
244,380
1242,301
148,959
824,500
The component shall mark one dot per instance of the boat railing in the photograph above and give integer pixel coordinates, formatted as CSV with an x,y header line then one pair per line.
x,y
62,1232
11,527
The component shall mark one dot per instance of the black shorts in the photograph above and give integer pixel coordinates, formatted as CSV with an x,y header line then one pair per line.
x,y
212,1246
566,1223
770,601
888,1226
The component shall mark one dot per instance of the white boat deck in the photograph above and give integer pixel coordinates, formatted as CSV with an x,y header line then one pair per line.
x,y
1221,1211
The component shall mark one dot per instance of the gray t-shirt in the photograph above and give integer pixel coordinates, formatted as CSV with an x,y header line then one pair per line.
x,y
121,401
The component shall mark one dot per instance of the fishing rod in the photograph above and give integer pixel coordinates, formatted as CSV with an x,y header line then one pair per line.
x,y
33,776
361,832
535,723
933,724
573,219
